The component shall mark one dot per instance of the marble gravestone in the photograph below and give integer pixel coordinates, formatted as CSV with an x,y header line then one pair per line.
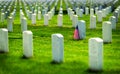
x,y
10,24
49,15
57,48
99,16
71,15
30,15
116,15
4,43
81,12
91,11
39,15
24,24
82,29
77,11
33,18
104,13
75,20
113,22
2,17
92,22
95,54
46,19
27,44
60,20
96,10
107,32
86,11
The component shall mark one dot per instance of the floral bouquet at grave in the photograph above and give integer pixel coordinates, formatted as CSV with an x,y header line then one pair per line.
x,y
76,33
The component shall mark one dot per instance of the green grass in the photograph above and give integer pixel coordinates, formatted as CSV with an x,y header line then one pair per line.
x,y
75,52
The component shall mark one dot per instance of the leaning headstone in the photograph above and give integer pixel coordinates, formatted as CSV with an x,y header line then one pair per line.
x,y
24,24
113,22
92,22
27,44
75,20
4,40
33,18
2,17
60,20
57,48
82,29
10,24
99,16
95,54
46,19
107,32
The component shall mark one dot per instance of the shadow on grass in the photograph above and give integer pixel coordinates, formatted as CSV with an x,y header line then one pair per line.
x,y
93,71
89,71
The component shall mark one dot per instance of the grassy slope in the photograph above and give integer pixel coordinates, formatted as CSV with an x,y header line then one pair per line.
x,y
75,52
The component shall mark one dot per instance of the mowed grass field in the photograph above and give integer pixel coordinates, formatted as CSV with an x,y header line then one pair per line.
x,y
75,52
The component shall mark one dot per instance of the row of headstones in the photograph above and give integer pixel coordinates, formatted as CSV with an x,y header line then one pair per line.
x,y
95,48
47,17
12,14
37,11
35,8
117,13
100,15
27,42
74,17
5,13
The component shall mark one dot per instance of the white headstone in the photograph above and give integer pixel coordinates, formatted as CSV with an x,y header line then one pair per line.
x,y
21,16
77,11
75,20
27,44
107,31
91,11
33,18
39,15
96,10
2,17
113,22
10,24
116,15
46,19
81,12
92,22
24,24
57,48
4,40
71,15
99,16
96,54
82,29
30,15
60,20
50,15
86,10
104,13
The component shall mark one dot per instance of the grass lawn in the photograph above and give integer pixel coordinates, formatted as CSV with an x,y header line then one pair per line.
x,y
75,52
